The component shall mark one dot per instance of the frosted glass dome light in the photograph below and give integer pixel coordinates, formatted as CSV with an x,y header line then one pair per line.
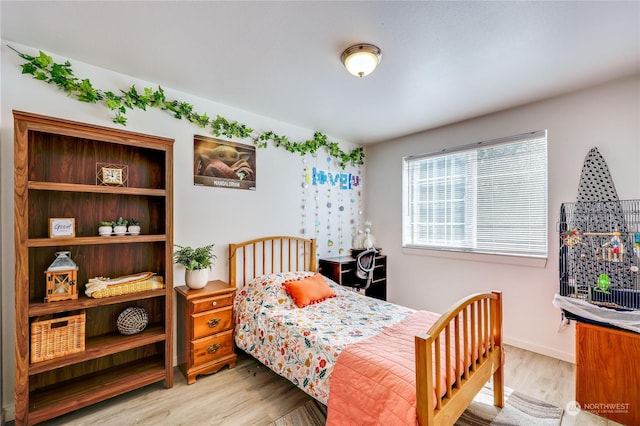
x,y
361,59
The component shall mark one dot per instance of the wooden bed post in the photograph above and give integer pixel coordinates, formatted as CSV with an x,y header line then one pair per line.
x,y
312,259
424,380
232,265
498,375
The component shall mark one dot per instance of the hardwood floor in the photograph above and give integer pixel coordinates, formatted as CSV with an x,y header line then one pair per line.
x,y
549,380
251,394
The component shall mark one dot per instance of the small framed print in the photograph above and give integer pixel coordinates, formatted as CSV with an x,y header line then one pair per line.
x,y
62,227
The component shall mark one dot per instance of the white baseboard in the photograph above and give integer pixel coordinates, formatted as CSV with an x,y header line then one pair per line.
x,y
8,413
543,350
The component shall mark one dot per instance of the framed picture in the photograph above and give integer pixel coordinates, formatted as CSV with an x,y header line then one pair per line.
x,y
223,164
62,227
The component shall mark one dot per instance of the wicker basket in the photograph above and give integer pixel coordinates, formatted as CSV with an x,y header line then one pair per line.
x,y
132,320
53,338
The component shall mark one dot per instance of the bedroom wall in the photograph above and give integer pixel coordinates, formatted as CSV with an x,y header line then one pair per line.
x,y
202,215
606,117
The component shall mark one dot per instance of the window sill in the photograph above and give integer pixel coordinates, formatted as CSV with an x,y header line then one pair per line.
x,y
534,262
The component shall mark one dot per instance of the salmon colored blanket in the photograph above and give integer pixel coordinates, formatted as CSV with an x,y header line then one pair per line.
x,y
374,380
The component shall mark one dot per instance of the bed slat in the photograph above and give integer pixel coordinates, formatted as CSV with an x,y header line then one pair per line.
x,y
465,325
438,371
474,331
458,356
447,359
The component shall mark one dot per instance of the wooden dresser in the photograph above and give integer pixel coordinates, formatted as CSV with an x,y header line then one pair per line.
x,y
608,372
342,270
205,329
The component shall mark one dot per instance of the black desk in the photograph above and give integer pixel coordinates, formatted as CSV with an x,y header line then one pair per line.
x,y
343,271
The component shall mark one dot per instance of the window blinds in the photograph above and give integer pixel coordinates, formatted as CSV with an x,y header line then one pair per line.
x,y
488,197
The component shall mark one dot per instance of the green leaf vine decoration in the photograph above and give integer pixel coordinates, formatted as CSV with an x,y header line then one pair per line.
x,y
44,68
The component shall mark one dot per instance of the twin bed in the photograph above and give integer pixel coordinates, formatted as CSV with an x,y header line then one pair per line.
x,y
370,361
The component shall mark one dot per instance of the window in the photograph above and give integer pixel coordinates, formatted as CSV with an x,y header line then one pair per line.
x,y
488,197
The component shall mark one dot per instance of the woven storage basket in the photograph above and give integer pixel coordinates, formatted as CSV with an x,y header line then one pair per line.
x,y
57,337
132,320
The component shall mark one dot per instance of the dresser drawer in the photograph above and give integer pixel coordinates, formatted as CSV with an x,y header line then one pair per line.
x,y
211,348
212,322
208,303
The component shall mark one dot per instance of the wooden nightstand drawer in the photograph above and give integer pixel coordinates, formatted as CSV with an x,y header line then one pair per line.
x,y
212,322
208,303
212,348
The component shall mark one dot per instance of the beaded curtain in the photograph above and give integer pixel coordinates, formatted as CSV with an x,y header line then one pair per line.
x,y
331,204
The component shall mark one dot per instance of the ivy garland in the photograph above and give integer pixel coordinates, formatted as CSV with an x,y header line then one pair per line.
x,y
44,68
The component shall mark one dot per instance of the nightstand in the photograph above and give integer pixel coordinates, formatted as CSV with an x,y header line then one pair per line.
x,y
342,270
205,329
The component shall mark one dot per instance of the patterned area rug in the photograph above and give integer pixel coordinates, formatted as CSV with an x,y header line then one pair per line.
x,y
519,410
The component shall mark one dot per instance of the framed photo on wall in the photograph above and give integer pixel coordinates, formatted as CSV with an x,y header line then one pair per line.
x,y
223,164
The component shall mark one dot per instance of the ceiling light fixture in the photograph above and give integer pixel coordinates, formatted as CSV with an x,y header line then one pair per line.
x,y
361,59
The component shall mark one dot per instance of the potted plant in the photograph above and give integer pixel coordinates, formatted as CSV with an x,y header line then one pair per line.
x,y
105,229
120,226
134,227
197,263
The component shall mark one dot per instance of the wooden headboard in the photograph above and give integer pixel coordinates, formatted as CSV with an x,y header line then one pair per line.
x,y
269,255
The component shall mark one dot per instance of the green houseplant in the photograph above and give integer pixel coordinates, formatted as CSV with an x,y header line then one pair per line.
x,y
197,262
134,227
106,228
120,226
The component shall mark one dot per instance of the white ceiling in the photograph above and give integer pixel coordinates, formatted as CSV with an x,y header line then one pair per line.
x,y
442,61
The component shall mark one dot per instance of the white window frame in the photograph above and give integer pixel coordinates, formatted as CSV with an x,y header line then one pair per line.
x,y
446,182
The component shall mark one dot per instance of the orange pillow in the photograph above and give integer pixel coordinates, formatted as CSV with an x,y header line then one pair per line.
x,y
309,290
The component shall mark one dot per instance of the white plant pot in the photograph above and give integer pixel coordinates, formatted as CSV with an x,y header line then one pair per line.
x,y
196,278
120,230
105,231
134,229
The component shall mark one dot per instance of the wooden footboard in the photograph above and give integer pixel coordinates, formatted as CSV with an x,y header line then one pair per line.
x,y
269,255
471,334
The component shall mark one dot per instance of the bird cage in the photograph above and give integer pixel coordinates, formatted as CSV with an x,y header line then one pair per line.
x,y
61,278
600,252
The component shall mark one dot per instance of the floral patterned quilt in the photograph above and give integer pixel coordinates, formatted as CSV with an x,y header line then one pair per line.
x,y
303,344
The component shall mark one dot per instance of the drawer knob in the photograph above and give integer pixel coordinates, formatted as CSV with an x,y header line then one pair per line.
x,y
213,322
214,303
213,348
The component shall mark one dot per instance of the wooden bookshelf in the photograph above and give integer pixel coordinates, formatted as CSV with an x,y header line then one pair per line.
x,y
56,165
